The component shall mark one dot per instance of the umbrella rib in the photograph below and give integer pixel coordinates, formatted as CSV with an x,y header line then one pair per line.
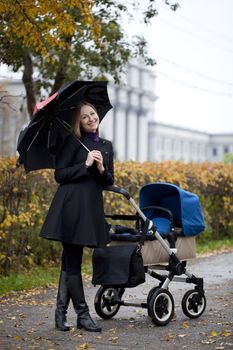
x,y
70,96
35,122
48,141
36,135
64,123
65,109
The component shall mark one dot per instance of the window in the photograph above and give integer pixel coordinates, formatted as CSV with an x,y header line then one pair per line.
x,y
214,151
226,149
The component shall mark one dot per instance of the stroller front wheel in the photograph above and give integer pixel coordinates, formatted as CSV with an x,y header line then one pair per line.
x,y
161,307
151,292
106,301
193,303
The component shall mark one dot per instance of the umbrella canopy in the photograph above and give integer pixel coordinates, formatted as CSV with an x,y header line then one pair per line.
x,y
39,142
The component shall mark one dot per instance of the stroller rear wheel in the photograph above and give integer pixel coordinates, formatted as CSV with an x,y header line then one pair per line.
x,y
193,303
161,307
106,298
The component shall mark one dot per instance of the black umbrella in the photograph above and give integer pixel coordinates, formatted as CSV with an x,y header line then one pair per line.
x,y
39,142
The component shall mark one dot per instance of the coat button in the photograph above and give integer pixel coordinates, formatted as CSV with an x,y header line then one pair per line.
x,y
106,152
104,142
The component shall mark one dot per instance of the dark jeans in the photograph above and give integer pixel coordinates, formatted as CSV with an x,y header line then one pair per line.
x,y
72,258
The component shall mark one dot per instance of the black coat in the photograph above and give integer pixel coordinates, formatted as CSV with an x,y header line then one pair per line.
x,y
76,214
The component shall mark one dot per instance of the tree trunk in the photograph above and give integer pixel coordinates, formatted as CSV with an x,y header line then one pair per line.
x,y
29,83
62,69
60,76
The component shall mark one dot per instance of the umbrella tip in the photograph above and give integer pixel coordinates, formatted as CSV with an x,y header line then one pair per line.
x,y
19,162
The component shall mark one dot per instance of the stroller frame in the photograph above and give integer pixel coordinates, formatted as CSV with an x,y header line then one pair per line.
x,y
160,303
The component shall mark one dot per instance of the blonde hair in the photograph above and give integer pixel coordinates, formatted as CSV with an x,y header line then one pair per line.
x,y
76,119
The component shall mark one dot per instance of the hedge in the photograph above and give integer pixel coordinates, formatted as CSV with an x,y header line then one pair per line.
x,y
25,199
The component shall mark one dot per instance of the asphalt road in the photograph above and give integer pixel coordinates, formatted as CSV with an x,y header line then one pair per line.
x,y
27,318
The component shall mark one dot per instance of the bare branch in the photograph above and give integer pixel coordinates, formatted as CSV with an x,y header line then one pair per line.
x,y
2,102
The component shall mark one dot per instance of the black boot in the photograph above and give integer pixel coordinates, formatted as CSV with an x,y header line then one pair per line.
x,y
84,320
63,298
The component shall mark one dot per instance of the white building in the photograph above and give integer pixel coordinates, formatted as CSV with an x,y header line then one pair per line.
x,y
131,124
137,136
219,145
170,142
176,143
13,114
133,107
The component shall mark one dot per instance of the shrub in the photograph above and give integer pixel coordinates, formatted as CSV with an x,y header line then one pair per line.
x,y
25,199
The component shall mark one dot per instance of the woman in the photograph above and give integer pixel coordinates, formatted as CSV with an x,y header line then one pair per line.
x,y
76,215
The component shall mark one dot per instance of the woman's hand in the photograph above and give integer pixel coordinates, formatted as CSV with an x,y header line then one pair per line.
x,y
90,159
97,156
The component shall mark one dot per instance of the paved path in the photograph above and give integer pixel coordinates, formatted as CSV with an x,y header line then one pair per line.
x,y
27,318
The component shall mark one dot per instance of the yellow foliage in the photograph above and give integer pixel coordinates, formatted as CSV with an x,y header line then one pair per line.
x,y
45,23
25,199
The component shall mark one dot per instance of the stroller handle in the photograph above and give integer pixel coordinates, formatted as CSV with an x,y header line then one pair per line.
x,y
118,190
141,214
123,192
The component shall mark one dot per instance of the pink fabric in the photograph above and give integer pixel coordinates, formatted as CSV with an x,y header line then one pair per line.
x,y
41,104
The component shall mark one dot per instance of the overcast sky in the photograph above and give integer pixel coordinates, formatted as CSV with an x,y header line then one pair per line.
x,y
194,51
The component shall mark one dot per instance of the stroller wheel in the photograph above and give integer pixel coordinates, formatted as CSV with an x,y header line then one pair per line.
x,y
106,298
161,307
150,294
193,303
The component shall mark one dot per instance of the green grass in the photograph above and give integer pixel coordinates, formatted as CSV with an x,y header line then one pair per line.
x,y
208,246
37,277
44,277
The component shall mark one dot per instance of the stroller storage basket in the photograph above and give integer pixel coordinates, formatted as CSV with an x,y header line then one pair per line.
x,y
118,266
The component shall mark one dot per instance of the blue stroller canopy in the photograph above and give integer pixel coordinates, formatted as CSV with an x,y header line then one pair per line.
x,y
185,206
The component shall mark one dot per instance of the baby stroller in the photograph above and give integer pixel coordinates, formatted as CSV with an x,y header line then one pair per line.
x,y
175,217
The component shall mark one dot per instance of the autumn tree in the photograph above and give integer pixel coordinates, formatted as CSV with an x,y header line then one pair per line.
x,y
53,41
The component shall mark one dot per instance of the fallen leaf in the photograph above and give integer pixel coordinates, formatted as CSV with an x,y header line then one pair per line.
x,y
185,324
225,333
131,325
208,341
140,312
83,346
113,339
168,337
131,319
17,337
213,334
112,330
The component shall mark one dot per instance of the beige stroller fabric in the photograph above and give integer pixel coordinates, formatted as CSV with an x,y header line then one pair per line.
x,y
153,252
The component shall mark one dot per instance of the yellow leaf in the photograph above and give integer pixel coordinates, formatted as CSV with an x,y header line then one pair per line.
x,y
185,324
213,334
17,337
113,339
83,346
225,333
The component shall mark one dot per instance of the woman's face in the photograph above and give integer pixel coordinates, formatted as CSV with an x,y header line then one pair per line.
x,y
89,119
